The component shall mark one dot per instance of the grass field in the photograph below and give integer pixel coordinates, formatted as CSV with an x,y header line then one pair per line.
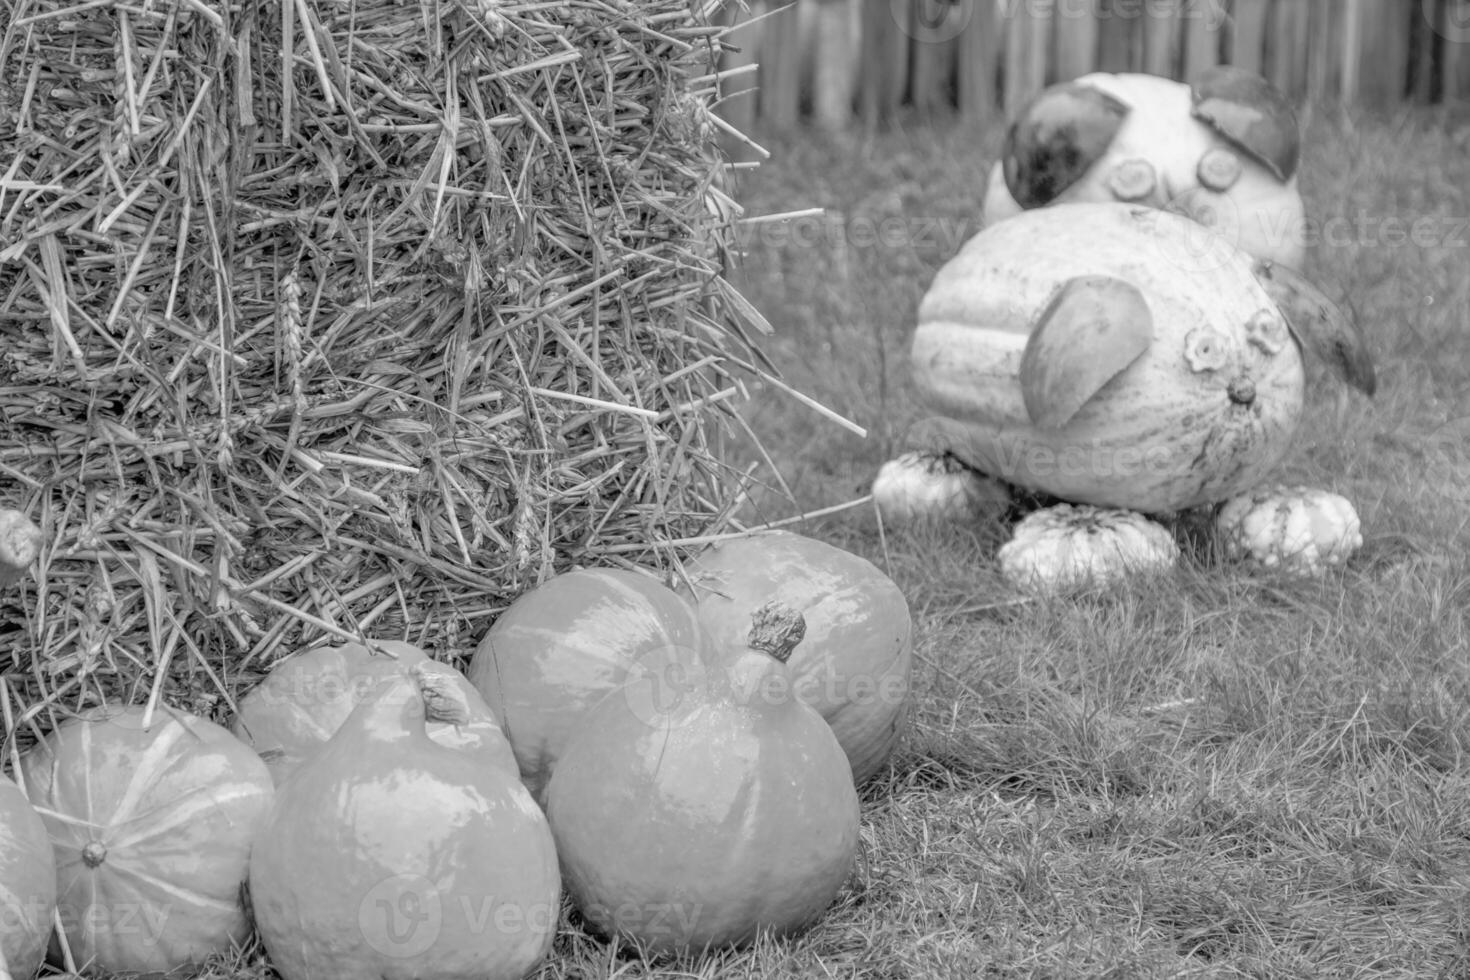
x,y
1221,773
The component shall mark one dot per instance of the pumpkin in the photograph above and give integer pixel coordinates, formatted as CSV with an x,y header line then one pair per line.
x,y
559,647
1068,351
718,815
27,885
391,854
1297,529
309,694
853,666
1222,151
920,486
1065,548
152,820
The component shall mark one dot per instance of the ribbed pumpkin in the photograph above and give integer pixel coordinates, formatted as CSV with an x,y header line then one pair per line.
x,y
853,664
389,854
27,885
1077,350
561,646
152,825
709,818
308,695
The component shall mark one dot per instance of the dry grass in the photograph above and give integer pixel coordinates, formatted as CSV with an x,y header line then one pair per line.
x,y
357,333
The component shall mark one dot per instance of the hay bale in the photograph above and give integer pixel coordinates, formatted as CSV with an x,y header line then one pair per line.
x,y
347,318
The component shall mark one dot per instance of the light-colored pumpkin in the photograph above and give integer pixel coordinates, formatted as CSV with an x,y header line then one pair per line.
x,y
152,821
27,885
306,696
1222,151
1071,350
391,854
1295,528
853,665
561,646
1065,549
712,817
918,486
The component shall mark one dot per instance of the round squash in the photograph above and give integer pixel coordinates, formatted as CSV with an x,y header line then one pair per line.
x,y
152,827
306,696
706,820
1066,548
853,665
1294,528
390,854
27,885
1080,351
561,646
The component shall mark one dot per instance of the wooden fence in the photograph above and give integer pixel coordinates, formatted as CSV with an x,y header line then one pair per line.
x,y
833,62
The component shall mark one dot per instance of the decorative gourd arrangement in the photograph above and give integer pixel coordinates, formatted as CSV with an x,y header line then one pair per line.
x,y
306,697
1222,151
558,648
1074,351
27,885
391,854
853,666
727,812
152,821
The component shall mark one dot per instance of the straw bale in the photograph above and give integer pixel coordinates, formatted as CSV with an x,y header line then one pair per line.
x,y
348,318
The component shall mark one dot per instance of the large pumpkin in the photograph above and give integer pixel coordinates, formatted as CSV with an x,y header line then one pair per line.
x,y
27,885
308,695
711,817
561,646
853,664
1093,352
389,854
152,821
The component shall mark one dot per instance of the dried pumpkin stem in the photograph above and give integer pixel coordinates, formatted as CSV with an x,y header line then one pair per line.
x,y
444,701
776,629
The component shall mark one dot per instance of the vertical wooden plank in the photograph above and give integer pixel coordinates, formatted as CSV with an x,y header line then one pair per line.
x,y
1455,63
1248,34
1203,32
1425,46
1076,35
1349,52
1027,41
1383,79
1161,39
885,46
979,60
932,67
780,74
1287,50
1119,26
738,99
835,53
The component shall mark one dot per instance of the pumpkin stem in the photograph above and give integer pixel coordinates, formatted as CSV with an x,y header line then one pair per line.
x,y
776,629
444,701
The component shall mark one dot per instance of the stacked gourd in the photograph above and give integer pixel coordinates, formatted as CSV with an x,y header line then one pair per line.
x,y
683,761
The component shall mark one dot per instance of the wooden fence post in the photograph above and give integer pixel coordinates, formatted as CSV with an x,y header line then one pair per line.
x,y
835,49
1077,41
1454,24
780,61
1248,34
885,58
979,59
936,26
1027,43
1203,29
738,94
1161,47
1119,34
